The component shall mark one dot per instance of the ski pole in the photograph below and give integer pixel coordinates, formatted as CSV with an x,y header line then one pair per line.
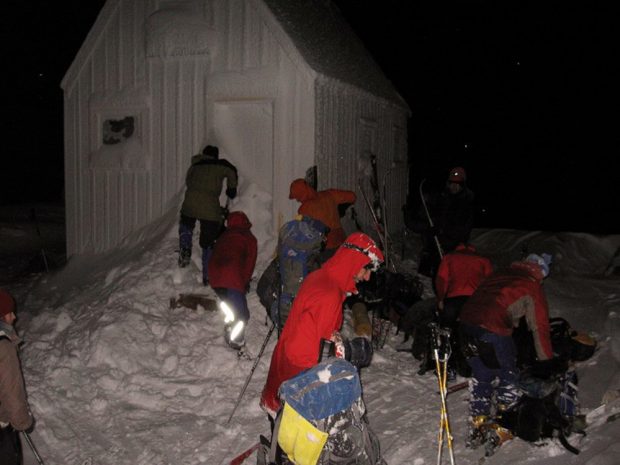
x,y
374,216
441,366
34,450
247,381
430,220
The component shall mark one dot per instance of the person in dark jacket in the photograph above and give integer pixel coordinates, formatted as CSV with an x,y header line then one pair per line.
x,y
230,269
487,322
317,314
452,214
204,182
15,413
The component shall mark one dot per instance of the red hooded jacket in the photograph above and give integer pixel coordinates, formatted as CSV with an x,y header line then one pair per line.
x,y
234,255
460,272
322,206
316,313
506,296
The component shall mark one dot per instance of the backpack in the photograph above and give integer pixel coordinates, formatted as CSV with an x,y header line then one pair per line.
x,y
267,288
567,343
547,409
323,419
299,244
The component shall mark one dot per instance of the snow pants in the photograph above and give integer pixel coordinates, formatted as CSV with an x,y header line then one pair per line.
x,y
503,371
236,299
209,232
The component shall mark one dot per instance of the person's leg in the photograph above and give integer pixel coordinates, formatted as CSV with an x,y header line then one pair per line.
x,y
239,302
10,447
507,391
186,231
209,232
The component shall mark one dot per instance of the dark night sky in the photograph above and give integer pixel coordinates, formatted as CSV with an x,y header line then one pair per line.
x,y
517,92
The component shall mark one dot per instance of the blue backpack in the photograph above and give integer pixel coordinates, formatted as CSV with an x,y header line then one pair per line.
x,y
299,244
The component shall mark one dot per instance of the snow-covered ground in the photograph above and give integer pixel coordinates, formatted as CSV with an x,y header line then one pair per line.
x,y
115,376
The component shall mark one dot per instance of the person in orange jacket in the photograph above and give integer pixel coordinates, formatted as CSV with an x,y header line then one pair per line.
x,y
323,206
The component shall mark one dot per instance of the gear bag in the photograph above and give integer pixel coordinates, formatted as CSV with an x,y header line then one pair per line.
x,y
547,409
299,243
323,422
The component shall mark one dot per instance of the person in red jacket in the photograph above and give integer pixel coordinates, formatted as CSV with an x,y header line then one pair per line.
x,y
230,271
317,314
459,274
323,206
487,321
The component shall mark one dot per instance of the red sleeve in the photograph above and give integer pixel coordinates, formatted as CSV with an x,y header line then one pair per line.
x,y
342,196
441,280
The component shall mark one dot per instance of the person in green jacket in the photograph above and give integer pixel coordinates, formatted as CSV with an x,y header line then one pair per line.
x,y
204,182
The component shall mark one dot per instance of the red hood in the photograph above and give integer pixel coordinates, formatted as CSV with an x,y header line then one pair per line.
x,y
238,220
344,265
301,191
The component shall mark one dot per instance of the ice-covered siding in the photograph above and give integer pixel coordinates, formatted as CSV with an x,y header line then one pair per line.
x,y
189,73
352,126
107,191
261,100
240,74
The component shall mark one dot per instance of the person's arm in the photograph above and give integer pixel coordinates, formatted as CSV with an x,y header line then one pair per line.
x,y
343,196
13,401
538,322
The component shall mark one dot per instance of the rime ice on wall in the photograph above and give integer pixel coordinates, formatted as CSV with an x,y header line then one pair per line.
x,y
178,30
279,86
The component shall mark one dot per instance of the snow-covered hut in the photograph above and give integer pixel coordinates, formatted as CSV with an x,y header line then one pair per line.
x,y
279,85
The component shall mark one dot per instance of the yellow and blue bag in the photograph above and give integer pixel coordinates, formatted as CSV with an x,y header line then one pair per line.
x,y
322,421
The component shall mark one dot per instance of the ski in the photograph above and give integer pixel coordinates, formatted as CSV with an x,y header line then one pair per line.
x,y
239,459
430,220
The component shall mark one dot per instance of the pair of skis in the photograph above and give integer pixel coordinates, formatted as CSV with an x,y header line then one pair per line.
x,y
378,207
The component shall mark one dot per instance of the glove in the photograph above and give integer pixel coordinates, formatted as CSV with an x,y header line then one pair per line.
x,y
358,351
231,192
339,348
